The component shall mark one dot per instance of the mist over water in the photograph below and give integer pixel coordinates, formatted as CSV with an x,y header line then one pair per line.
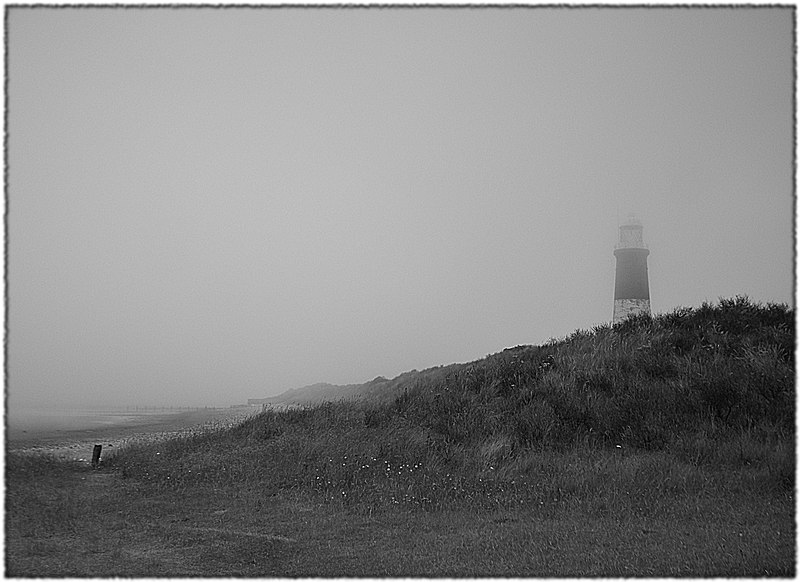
x,y
20,420
25,424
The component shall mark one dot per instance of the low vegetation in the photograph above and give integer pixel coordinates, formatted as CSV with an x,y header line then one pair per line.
x,y
660,446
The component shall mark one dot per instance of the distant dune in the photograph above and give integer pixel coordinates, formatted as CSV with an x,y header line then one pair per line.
x,y
378,389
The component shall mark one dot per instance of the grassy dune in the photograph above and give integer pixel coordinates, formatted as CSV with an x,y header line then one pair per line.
x,y
661,447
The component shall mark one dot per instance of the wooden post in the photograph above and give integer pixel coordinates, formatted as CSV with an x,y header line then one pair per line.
x,y
96,456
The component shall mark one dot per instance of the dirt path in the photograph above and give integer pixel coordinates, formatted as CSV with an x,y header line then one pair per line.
x,y
78,444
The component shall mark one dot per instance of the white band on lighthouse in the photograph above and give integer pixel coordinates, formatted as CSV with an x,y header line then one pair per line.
x,y
624,308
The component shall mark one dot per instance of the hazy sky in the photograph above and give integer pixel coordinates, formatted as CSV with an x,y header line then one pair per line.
x,y
209,205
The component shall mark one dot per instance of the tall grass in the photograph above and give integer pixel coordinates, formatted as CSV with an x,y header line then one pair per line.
x,y
692,403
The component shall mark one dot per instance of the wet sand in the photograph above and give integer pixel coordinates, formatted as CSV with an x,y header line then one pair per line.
x,y
74,437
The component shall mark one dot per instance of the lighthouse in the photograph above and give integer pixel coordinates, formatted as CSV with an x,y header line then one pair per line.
x,y
631,287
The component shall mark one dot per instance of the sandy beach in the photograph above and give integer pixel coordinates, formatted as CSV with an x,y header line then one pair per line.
x,y
74,436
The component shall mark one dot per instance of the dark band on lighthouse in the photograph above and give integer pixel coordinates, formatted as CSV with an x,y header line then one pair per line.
x,y
631,281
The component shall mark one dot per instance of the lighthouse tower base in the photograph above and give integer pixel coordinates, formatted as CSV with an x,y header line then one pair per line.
x,y
624,308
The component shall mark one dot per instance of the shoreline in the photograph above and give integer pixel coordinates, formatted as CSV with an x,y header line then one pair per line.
x,y
115,430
